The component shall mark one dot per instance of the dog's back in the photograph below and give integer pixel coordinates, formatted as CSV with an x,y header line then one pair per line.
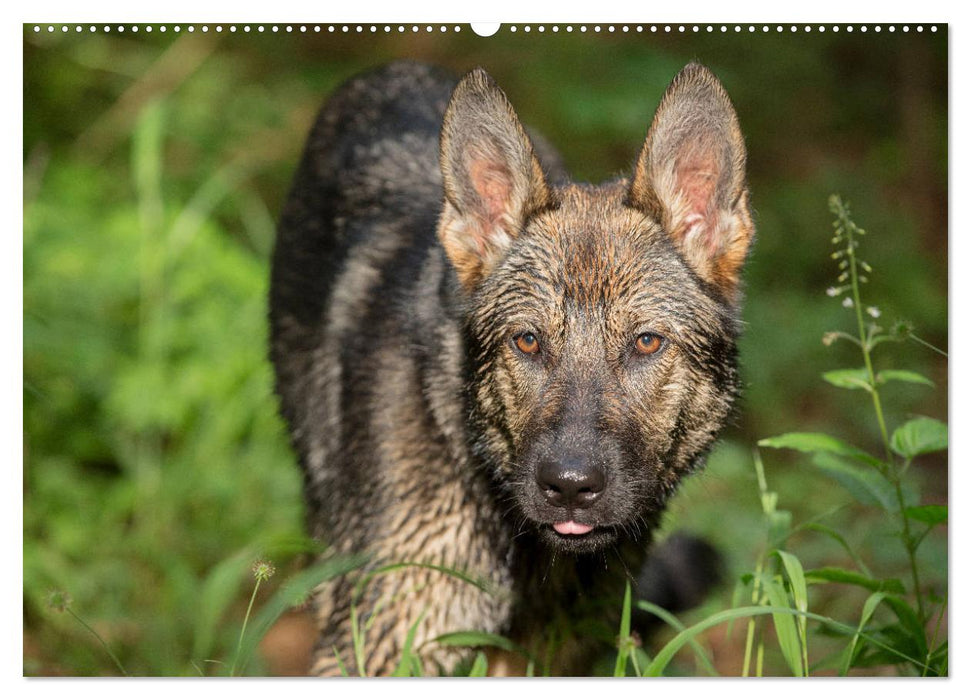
x,y
353,236
358,328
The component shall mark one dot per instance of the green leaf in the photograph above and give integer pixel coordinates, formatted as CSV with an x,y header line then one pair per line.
x,y
340,664
785,625
667,652
819,442
865,485
832,574
480,667
932,515
471,638
700,654
797,579
919,436
620,668
408,657
800,596
902,375
868,608
416,670
833,534
481,584
938,660
849,378
912,641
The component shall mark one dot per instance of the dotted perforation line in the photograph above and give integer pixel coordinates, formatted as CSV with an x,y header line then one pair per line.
x,y
527,28
723,28
246,28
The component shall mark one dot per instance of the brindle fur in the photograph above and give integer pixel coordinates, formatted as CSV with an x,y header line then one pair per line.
x,y
422,234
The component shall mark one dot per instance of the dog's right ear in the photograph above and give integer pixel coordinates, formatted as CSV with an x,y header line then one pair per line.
x,y
493,180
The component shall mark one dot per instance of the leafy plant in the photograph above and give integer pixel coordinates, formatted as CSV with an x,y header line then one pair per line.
x,y
875,481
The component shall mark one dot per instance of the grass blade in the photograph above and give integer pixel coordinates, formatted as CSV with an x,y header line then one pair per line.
x,y
800,595
836,536
408,657
832,574
479,639
480,666
868,608
340,664
623,640
785,625
700,653
667,652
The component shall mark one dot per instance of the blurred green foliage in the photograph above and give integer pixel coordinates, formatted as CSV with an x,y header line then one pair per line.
x,y
155,465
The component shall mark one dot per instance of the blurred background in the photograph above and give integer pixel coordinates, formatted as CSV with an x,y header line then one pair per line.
x,y
156,469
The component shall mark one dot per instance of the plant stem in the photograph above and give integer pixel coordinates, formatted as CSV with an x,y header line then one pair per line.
x,y
927,345
891,472
242,632
749,642
99,638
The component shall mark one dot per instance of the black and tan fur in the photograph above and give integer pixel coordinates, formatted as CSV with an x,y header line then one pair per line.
x,y
428,240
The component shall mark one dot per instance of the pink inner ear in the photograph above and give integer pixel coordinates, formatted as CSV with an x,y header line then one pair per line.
x,y
697,179
493,185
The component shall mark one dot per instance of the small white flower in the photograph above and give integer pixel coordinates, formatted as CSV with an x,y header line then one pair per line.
x,y
848,303
873,311
832,292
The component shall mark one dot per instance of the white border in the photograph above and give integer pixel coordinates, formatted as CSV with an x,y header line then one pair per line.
x,y
603,12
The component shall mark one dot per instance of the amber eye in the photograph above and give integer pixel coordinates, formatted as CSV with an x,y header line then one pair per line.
x,y
526,343
648,344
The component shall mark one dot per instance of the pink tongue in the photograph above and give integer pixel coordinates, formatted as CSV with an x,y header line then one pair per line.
x,y
571,528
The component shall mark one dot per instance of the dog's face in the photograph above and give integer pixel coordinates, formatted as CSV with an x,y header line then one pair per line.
x,y
601,320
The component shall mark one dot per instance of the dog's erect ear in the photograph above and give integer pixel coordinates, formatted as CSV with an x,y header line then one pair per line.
x,y
493,181
690,177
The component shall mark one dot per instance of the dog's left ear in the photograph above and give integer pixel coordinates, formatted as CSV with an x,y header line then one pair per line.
x,y
690,177
492,179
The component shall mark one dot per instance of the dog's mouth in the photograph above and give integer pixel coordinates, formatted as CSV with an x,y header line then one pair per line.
x,y
578,538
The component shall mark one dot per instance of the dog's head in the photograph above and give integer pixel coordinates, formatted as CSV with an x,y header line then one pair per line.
x,y
601,320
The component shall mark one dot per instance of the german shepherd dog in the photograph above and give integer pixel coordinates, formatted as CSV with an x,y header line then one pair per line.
x,y
488,368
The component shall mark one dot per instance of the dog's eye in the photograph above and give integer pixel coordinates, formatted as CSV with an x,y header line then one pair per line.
x,y
648,343
526,343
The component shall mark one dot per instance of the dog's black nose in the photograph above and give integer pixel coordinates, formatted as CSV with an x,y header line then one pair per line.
x,y
570,483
